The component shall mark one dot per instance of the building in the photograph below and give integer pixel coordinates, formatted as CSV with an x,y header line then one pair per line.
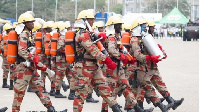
x,y
132,6
194,10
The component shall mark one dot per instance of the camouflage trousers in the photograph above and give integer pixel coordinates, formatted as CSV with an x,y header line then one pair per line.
x,y
90,76
119,85
70,77
146,87
158,83
61,72
6,68
29,77
45,60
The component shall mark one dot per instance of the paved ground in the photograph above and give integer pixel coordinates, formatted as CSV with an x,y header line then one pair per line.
x,y
180,71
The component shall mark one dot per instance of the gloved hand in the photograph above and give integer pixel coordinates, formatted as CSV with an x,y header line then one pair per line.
x,y
110,64
160,47
36,59
102,35
155,59
44,68
148,58
133,61
123,58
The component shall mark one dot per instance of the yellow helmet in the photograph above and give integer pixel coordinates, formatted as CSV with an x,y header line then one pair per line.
x,y
25,17
57,24
114,20
63,25
7,26
48,24
98,24
37,26
141,21
67,24
126,26
151,23
134,24
86,14
15,24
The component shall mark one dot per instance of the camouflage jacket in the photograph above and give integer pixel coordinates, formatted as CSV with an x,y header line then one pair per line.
x,y
86,49
112,46
25,41
61,49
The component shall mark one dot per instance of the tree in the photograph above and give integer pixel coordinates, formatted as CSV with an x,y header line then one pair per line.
x,y
165,6
117,9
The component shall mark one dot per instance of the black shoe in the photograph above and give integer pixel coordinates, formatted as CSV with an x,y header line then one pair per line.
x,y
137,108
169,99
59,95
64,110
11,85
51,109
177,103
29,89
164,108
115,108
52,92
162,99
130,110
140,104
3,109
5,85
65,86
71,95
90,99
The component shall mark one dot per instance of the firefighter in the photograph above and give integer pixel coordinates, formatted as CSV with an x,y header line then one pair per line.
x,y
6,65
27,74
116,78
87,72
143,83
156,78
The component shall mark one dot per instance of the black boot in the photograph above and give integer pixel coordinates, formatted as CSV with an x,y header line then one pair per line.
x,y
175,103
164,108
3,109
11,85
29,89
5,85
59,95
52,91
51,109
90,99
71,95
138,108
140,104
65,86
115,108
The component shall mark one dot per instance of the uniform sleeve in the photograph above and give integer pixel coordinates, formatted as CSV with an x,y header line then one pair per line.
x,y
23,46
61,44
137,51
112,49
91,48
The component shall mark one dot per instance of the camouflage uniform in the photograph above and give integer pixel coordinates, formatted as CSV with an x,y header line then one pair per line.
x,y
87,71
116,78
61,64
5,64
140,53
45,60
27,76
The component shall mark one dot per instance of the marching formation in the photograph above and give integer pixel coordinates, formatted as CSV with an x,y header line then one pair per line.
x,y
111,60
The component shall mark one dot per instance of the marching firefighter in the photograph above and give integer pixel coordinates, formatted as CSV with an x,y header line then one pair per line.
x,y
27,63
61,64
143,82
6,65
156,78
116,78
45,55
87,72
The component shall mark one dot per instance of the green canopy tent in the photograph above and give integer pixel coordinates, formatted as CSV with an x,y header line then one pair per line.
x,y
174,17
